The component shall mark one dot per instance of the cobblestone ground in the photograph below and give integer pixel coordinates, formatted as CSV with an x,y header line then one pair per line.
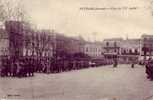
x,y
102,83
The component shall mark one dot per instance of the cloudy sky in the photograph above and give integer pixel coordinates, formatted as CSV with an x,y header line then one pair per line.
x,y
66,17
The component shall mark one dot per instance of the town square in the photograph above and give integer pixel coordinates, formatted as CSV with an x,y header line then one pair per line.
x,y
99,83
76,50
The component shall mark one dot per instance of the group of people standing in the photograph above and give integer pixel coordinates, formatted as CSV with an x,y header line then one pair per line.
x,y
16,68
25,67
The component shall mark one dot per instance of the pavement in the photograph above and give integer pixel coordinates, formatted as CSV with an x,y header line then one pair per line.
x,y
99,83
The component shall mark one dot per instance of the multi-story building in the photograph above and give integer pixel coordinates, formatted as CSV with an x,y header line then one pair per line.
x,y
24,41
18,39
112,47
129,50
38,44
125,50
146,46
4,43
68,45
93,49
75,45
130,46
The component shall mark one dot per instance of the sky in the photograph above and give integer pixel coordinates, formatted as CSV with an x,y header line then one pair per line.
x,y
66,17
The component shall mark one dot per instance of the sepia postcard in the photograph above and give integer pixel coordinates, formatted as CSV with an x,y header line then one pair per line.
x,y
76,49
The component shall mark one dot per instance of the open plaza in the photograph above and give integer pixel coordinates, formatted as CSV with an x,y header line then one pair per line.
x,y
99,83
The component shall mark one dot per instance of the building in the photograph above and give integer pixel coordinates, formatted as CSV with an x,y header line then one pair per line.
x,y
146,46
68,45
125,51
112,47
38,44
4,43
129,50
26,42
93,49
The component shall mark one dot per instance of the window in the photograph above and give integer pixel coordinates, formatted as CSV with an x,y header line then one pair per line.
x,y
86,49
107,43
115,44
145,38
130,51
136,51
124,51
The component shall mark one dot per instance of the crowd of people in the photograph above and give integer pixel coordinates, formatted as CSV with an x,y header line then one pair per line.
x,y
27,66
14,68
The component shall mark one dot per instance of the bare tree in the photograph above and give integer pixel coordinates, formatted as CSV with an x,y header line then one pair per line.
x,y
150,7
2,13
12,10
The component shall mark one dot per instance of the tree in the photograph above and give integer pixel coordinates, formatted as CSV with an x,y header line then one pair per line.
x,y
2,13
151,7
12,10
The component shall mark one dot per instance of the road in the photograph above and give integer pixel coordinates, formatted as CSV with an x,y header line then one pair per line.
x,y
101,83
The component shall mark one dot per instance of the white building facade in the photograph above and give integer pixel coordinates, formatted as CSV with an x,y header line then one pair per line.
x,y
93,49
